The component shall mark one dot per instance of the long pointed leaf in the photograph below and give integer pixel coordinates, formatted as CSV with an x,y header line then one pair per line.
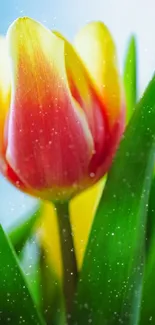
x,y
20,232
130,77
147,315
109,290
16,303
30,264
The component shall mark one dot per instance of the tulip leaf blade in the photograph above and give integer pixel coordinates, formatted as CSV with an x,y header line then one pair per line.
x,y
20,232
110,285
29,259
147,314
16,303
130,77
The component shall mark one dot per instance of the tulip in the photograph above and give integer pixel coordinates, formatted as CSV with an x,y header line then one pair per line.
x,y
66,116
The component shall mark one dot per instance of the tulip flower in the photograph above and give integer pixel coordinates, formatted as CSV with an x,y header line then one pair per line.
x,y
63,125
63,122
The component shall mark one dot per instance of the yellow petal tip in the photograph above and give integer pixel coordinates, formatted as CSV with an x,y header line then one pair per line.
x,y
96,47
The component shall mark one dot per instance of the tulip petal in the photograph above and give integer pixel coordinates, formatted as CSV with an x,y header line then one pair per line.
x,y
48,134
81,88
82,211
4,89
83,92
78,78
96,48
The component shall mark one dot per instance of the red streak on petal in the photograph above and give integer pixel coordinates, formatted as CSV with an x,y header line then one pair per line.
x,y
111,145
10,175
14,179
97,120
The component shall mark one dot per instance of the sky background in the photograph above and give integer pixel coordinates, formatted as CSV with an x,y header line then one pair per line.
x,y
123,17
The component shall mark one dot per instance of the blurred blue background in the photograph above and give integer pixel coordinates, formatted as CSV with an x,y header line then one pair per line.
x,y
123,17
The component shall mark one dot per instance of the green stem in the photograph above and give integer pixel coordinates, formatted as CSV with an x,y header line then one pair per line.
x,y
70,272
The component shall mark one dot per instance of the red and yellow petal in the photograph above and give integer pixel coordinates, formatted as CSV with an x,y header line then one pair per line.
x,y
95,46
84,93
48,132
4,89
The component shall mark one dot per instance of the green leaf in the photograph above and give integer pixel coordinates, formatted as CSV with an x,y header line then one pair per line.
x,y
150,231
130,78
21,231
109,289
30,264
147,315
16,303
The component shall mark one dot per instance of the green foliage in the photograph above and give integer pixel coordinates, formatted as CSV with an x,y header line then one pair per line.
x,y
130,78
16,303
147,315
21,231
109,290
